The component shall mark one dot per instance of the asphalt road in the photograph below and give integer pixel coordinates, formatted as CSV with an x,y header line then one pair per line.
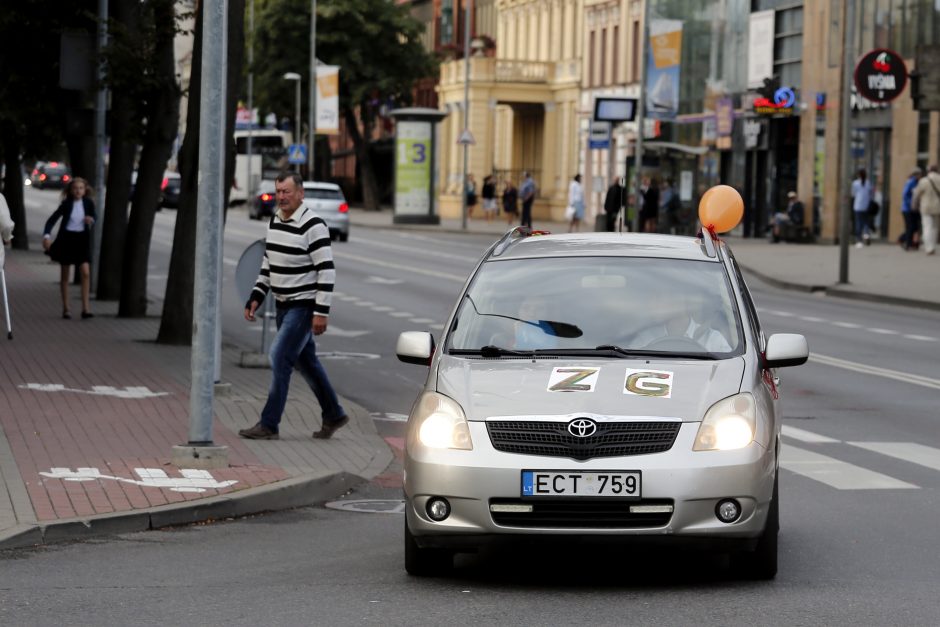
x,y
859,489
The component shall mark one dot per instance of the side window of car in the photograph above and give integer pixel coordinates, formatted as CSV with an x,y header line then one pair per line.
x,y
753,320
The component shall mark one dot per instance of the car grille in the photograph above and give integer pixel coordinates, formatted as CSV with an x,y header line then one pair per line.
x,y
581,514
552,439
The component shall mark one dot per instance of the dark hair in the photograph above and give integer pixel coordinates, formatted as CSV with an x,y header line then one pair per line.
x,y
294,176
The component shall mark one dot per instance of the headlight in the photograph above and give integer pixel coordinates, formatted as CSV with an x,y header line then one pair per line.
x,y
441,423
728,424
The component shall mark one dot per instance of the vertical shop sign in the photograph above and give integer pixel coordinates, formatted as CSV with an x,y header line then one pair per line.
x,y
760,48
413,168
662,70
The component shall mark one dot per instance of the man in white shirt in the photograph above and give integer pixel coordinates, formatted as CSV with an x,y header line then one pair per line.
x,y
861,199
680,318
6,227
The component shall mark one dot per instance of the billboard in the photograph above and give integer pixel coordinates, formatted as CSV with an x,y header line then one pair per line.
x,y
662,68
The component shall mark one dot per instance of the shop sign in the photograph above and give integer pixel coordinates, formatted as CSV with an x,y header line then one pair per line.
x,y
881,75
752,129
782,104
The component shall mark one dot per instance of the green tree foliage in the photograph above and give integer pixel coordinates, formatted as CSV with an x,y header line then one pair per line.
x,y
376,43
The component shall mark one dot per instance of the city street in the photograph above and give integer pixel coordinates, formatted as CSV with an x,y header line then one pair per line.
x,y
859,490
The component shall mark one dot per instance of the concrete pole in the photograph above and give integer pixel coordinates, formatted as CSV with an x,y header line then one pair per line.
x,y
848,71
640,111
466,108
208,221
314,89
101,106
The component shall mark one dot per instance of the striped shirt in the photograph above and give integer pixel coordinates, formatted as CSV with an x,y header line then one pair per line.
x,y
298,263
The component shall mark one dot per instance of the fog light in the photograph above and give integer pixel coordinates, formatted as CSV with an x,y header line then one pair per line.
x,y
438,509
728,510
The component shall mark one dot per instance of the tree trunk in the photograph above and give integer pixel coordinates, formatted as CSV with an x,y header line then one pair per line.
x,y
13,186
162,116
123,149
114,229
370,187
176,322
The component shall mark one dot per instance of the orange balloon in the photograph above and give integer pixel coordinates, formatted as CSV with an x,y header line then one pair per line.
x,y
721,208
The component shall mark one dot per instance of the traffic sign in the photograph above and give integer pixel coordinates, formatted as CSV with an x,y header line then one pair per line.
x,y
600,135
466,137
297,153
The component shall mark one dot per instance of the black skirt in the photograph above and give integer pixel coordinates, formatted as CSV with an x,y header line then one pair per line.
x,y
71,248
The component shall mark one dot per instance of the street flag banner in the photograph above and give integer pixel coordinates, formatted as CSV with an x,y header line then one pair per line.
x,y
662,69
327,100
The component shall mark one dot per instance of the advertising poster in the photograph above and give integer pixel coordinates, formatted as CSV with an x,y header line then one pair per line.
x,y
662,69
413,168
327,100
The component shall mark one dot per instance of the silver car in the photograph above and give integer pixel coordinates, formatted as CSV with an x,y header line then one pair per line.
x,y
602,386
328,202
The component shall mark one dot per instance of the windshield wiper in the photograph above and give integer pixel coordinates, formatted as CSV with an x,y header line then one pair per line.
x,y
631,352
550,327
491,351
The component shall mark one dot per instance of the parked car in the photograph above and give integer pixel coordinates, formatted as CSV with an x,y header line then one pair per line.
x,y
170,189
50,174
263,203
327,201
598,387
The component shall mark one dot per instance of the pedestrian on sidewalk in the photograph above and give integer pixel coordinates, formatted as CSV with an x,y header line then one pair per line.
x,y
471,191
297,269
72,244
927,199
490,208
649,214
575,204
510,202
613,203
910,213
861,202
527,193
6,228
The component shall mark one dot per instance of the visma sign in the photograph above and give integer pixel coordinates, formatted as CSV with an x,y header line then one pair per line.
x,y
881,75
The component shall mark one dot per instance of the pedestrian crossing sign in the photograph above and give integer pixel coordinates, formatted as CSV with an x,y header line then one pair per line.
x,y
297,153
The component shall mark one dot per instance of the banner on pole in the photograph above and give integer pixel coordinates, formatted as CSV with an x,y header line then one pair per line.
x,y
662,70
327,99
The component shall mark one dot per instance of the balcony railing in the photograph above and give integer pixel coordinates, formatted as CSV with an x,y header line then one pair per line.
x,y
523,71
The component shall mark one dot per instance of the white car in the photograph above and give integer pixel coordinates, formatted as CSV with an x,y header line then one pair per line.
x,y
609,387
328,202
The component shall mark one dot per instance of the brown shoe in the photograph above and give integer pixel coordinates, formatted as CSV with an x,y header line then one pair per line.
x,y
329,428
258,432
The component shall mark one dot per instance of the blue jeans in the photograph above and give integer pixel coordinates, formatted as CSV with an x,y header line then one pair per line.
x,y
294,346
861,225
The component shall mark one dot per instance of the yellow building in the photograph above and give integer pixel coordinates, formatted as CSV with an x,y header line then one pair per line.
x,y
523,105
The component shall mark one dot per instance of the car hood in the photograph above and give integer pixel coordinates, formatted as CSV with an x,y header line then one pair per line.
x,y
559,387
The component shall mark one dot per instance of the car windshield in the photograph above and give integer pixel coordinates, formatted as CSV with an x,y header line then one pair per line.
x,y
615,306
322,194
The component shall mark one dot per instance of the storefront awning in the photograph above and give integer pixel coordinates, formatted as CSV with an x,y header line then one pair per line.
x,y
692,150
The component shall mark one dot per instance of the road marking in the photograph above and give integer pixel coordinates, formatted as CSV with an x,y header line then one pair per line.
x,y
381,308
897,375
401,314
837,474
383,281
847,325
920,338
365,303
192,481
905,451
812,319
131,392
806,436
389,416
370,506
421,320
882,331
385,263
437,327
338,332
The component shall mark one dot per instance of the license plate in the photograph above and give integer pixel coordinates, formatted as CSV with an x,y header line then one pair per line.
x,y
566,483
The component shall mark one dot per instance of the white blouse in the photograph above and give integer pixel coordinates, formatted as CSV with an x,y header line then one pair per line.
x,y
76,221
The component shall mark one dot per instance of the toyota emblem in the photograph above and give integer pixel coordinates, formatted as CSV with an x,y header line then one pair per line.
x,y
582,428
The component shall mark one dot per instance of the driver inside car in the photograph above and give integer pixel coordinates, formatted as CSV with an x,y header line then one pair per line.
x,y
682,317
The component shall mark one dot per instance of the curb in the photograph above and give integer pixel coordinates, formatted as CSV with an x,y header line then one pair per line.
x,y
283,495
841,292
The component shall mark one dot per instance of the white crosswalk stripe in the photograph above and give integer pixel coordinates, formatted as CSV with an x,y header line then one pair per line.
x,y
836,473
806,436
907,451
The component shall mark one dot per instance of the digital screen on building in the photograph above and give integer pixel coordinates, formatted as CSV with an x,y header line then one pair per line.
x,y
614,109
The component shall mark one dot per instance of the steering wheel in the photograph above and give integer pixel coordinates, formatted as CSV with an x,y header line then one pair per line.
x,y
675,343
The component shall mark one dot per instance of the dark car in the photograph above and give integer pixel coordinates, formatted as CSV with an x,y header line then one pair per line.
x,y
263,203
170,188
50,174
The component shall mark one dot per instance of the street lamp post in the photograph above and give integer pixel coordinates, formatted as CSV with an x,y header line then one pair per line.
x,y
294,76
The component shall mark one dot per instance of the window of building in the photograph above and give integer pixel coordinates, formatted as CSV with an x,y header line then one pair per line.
x,y
635,56
591,55
603,77
788,45
616,55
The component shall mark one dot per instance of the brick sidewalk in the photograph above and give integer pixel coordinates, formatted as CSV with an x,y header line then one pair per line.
x,y
99,394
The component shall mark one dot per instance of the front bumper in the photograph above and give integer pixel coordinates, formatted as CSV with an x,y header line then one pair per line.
x,y
693,482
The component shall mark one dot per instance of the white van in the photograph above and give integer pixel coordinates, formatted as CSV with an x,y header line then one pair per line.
x,y
268,158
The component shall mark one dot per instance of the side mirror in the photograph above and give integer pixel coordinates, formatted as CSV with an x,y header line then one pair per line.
x,y
415,347
785,349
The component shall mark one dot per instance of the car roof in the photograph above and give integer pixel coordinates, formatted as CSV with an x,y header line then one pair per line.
x,y
607,245
320,185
